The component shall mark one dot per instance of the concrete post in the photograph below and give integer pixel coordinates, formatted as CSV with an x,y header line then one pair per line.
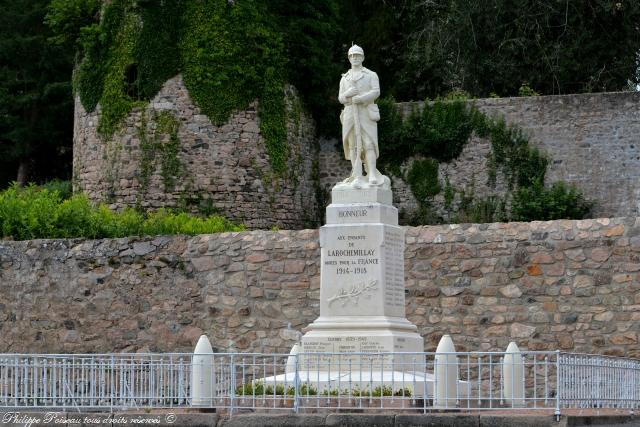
x,y
513,381
202,374
446,374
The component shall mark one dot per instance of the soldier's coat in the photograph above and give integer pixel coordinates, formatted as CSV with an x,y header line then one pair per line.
x,y
369,90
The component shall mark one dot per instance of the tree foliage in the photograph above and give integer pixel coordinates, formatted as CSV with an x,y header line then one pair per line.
x,y
494,46
418,48
230,53
36,108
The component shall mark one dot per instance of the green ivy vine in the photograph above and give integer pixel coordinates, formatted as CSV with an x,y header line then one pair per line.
x,y
229,55
159,143
438,132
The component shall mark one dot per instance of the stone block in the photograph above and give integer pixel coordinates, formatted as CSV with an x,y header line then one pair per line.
x,y
602,420
519,330
453,420
268,420
360,420
364,195
511,291
517,421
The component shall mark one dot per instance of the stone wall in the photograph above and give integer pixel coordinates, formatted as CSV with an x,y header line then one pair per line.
x,y
570,285
592,140
223,169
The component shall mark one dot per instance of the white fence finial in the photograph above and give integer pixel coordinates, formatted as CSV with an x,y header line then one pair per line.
x,y
513,376
446,374
202,374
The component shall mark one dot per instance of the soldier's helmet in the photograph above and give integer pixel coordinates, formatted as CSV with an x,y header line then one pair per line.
x,y
355,49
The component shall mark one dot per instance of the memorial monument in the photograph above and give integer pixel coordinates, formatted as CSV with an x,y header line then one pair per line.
x,y
362,294
362,338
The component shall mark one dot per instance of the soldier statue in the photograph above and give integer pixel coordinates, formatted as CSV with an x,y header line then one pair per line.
x,y
359,88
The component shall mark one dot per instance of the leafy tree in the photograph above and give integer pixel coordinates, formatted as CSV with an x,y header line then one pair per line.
x,y
380,28
66,18
311,34
556,46
36,109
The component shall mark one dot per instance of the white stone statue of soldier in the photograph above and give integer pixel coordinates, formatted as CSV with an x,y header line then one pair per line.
x,y
359,88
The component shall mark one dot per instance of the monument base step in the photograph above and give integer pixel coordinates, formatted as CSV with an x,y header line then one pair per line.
x,y
363,324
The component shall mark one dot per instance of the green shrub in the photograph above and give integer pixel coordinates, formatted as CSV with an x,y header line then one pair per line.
x,y
39,213
558,202
258,388
423,179
439,132
521,164
27,213
62,187
379,391
491,209
526,90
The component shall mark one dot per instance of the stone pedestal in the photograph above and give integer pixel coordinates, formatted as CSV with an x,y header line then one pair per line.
x,y
362,294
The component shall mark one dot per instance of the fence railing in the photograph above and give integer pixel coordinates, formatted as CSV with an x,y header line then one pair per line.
x,y
588,381
315,382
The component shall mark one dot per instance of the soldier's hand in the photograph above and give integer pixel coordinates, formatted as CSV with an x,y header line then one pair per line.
x,y
351,92
356,99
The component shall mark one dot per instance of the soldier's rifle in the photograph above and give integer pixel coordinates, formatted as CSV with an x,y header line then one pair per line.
x,y
357,166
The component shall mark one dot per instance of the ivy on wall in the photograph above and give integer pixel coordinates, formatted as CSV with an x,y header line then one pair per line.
x,y
159,143
229,54
232,56
438,133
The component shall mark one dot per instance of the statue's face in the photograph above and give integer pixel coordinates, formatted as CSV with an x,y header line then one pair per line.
x,y
356,59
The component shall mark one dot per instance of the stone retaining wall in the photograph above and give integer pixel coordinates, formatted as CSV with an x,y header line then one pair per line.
x,y
570,285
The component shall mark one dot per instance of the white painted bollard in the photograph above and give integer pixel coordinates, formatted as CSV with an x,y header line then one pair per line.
x,y
446,374
513,371
202,374
290,367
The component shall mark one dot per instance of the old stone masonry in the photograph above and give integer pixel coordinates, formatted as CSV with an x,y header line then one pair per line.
x,y
570,285
592,141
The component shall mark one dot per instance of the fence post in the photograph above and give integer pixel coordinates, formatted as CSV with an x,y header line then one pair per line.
x,y
558,385
202,381
296,380
233,385
446,374
513,371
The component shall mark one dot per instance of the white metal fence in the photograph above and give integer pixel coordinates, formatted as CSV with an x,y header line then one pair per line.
x,y
315,382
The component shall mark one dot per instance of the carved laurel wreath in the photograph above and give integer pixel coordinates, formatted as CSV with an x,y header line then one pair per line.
x,y
354,293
